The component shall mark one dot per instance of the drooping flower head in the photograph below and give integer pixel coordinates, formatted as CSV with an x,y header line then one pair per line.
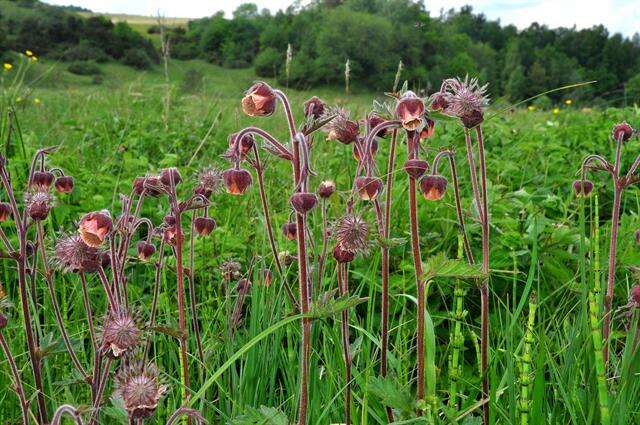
x,y
341,128
314,108
410,111
94,227
64,184
582,188
352,233
230,270
73,255
140,389
259,100
463,98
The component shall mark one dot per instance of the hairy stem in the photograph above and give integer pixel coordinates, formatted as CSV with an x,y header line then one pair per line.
x,y
156,293
343,285
17,381
192,291
600,364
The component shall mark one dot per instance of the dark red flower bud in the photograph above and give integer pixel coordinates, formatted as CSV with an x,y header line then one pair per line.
x,y
374,121
5,211
303,202
38,205
259,100
428,129
582,188
236,180
342,255
169,235
634,296
433,187
42,180
623,131
368,187
169,220
637,236
245,144
169,174
472,119
410,110
146,185
374,150
204,225
145,250
289,230
3,321
94,227
266,277
416,167
64,184
439,103
326,189
314,107
344,132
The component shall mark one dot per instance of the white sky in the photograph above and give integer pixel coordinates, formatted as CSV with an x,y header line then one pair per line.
x,y
617,15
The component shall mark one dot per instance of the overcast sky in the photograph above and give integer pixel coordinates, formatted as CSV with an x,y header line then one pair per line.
x,y
617,15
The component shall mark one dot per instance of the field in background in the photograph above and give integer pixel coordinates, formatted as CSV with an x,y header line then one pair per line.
x,y
111,130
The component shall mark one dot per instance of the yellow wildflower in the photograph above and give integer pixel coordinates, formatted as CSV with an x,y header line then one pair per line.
x,y
34,58
531,108
568,102
7,66
36,101
556,111
18,99
28,52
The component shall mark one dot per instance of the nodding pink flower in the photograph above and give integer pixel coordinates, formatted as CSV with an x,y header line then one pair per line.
x,y
73,255
410,111
245,144
140,389
230,270
465,99
341,255
266,277
326,189
303,202
374,150
341,128
237,180
368,187
170,174
352,233
290,231
42,180
375,120
582,188
416,167
38,204
314,108
623,131
169,235
634,296
259,100
439,102
120,333
94,227
149,185
433,187
204,225
145,250
428,129
64,184
5,211
3,321
637,236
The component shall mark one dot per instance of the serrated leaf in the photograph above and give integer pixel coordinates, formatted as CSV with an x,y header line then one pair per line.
x,y
441,266
390,394
334,306
172,332
263,416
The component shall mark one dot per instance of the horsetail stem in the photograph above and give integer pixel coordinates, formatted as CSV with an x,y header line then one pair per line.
x,y
457,338
596,334
525,370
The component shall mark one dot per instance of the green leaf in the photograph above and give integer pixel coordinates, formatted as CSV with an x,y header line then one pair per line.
x,y
330,307
441,266
263,416
390,394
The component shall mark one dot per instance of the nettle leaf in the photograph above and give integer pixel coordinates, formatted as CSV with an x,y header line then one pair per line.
x,y
172,332
390,242
331,307
441,266
390,394
263,415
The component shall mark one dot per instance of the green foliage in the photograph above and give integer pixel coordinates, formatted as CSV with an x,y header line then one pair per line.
x,y
136,58
84,68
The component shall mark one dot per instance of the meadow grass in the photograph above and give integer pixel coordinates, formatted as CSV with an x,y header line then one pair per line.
x,y
109,133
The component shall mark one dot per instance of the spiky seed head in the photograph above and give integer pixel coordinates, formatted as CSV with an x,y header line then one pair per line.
x,y
120,333
416,167
94,227
352,233
140,389
368,187
72,254
341,128
326,189
410,111
433,187
465,99
237,180
303,202
38,204
259,100
64,184
209,182
582,188
230,270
